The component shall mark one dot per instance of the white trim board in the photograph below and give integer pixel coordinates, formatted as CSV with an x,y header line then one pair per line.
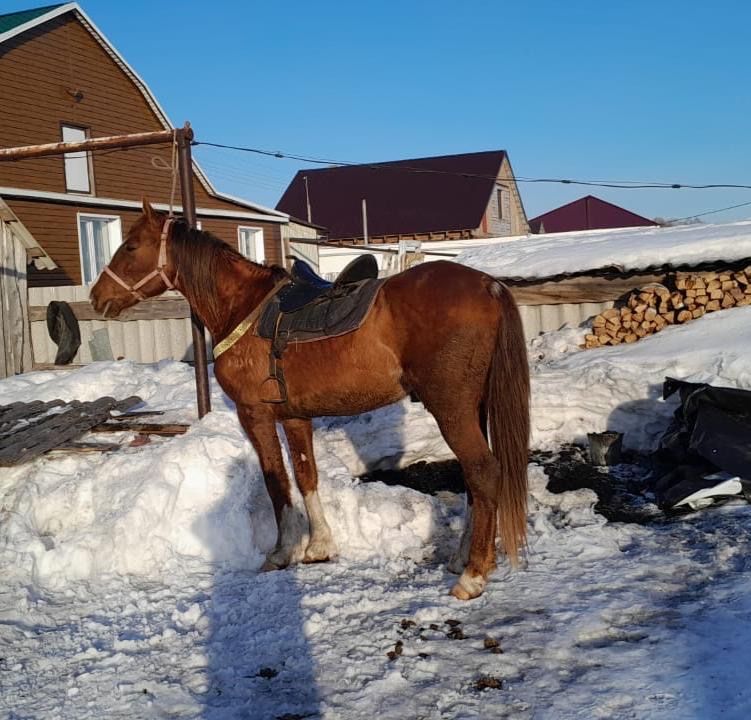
x,y
88,200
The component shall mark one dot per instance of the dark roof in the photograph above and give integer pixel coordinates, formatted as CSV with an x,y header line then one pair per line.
x,y
587,213
12,20
450,192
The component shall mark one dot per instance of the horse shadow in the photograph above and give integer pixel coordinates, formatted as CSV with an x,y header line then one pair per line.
x,y
259,663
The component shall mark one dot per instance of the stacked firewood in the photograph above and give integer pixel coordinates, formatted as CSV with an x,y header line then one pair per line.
x,y
686,296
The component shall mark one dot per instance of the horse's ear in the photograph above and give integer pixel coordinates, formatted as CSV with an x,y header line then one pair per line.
x,y
148,211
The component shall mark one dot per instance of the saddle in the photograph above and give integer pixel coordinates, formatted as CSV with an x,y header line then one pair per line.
x,y
311,308
307,286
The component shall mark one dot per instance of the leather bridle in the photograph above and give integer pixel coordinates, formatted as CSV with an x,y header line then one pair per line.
x,y
158,272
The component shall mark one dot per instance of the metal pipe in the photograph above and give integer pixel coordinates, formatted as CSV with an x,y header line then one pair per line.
x,y
184,138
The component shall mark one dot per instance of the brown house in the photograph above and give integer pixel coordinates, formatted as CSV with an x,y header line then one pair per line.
x,y
473,195
63,80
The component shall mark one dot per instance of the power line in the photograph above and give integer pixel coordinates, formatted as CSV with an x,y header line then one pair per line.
x,y
623,184
711,212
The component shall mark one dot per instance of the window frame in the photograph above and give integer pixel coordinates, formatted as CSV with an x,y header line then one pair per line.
x,y
260,248
116,219
82,155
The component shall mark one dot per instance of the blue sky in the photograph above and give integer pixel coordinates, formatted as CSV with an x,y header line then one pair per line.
x,y
652,91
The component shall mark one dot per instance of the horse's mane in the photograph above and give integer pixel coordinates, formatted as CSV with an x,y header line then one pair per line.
x,y
198,256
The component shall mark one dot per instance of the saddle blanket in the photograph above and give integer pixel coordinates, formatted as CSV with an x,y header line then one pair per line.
x,y
341,310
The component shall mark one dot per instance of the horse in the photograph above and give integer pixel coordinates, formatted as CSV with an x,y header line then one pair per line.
x,y
443,332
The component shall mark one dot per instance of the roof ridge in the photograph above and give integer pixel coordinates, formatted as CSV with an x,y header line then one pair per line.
x,y
382,163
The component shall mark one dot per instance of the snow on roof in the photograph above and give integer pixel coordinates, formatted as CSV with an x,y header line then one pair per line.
x,y
625,249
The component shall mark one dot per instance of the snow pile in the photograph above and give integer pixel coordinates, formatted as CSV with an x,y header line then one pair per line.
x,y
538,256
168,507
620,388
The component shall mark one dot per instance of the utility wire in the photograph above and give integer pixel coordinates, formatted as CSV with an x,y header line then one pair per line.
x,y
624,185
710,212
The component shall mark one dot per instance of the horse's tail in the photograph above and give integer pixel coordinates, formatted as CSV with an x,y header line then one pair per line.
x,y
507,402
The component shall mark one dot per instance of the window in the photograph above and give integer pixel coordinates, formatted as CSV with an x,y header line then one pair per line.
x,y
77,176
504,204
100,236
250,243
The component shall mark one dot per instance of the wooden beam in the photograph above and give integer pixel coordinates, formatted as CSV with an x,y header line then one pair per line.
x,y
101,143
145,428
153,309
580,289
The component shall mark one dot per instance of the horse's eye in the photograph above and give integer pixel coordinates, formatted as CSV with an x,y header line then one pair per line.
x,y
130,248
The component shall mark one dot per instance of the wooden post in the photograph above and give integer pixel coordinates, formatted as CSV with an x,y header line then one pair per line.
x,y
184,138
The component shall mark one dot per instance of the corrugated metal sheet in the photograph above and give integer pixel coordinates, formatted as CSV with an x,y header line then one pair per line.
x,y
139,340
543,318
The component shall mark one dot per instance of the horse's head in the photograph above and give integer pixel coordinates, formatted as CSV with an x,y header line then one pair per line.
x,y
139,269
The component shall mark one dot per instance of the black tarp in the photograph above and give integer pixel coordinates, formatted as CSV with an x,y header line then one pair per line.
x,y
710,432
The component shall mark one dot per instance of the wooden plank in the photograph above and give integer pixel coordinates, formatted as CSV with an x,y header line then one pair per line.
x,y
146,428
85,447
580,289
153,309
140,413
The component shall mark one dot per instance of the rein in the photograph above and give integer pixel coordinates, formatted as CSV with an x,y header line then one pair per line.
x,y
158,272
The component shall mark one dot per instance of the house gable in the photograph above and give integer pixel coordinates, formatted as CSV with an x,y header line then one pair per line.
x,y
59,70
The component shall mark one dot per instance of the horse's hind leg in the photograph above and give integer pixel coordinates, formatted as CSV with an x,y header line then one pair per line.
x,y
260,426
460,558
299,434
465,437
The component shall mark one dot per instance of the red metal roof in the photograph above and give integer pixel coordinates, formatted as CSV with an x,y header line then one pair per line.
x,y
587,213
450,192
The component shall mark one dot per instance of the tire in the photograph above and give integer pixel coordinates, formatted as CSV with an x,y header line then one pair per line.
x,y
63,328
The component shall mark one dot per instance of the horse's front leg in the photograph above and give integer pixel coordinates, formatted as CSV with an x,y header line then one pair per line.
x,y
299,434
260,426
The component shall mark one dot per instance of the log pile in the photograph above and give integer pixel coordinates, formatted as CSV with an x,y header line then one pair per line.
x,y
684,297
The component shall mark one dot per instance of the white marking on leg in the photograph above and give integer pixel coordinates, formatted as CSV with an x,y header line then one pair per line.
x,y
469,586
303,457
321,546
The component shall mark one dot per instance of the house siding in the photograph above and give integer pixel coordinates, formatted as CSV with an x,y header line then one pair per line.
x,y
41,69
55,227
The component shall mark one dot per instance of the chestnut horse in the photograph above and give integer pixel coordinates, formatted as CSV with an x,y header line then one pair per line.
x,y
447,333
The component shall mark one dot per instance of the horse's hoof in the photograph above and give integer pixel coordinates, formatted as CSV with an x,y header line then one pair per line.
x,y
268,566
318,552
469,587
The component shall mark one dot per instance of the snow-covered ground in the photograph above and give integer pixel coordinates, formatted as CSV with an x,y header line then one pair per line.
x,y
131,584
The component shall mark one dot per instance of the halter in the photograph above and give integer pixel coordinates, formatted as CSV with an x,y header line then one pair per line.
x,y
158,272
